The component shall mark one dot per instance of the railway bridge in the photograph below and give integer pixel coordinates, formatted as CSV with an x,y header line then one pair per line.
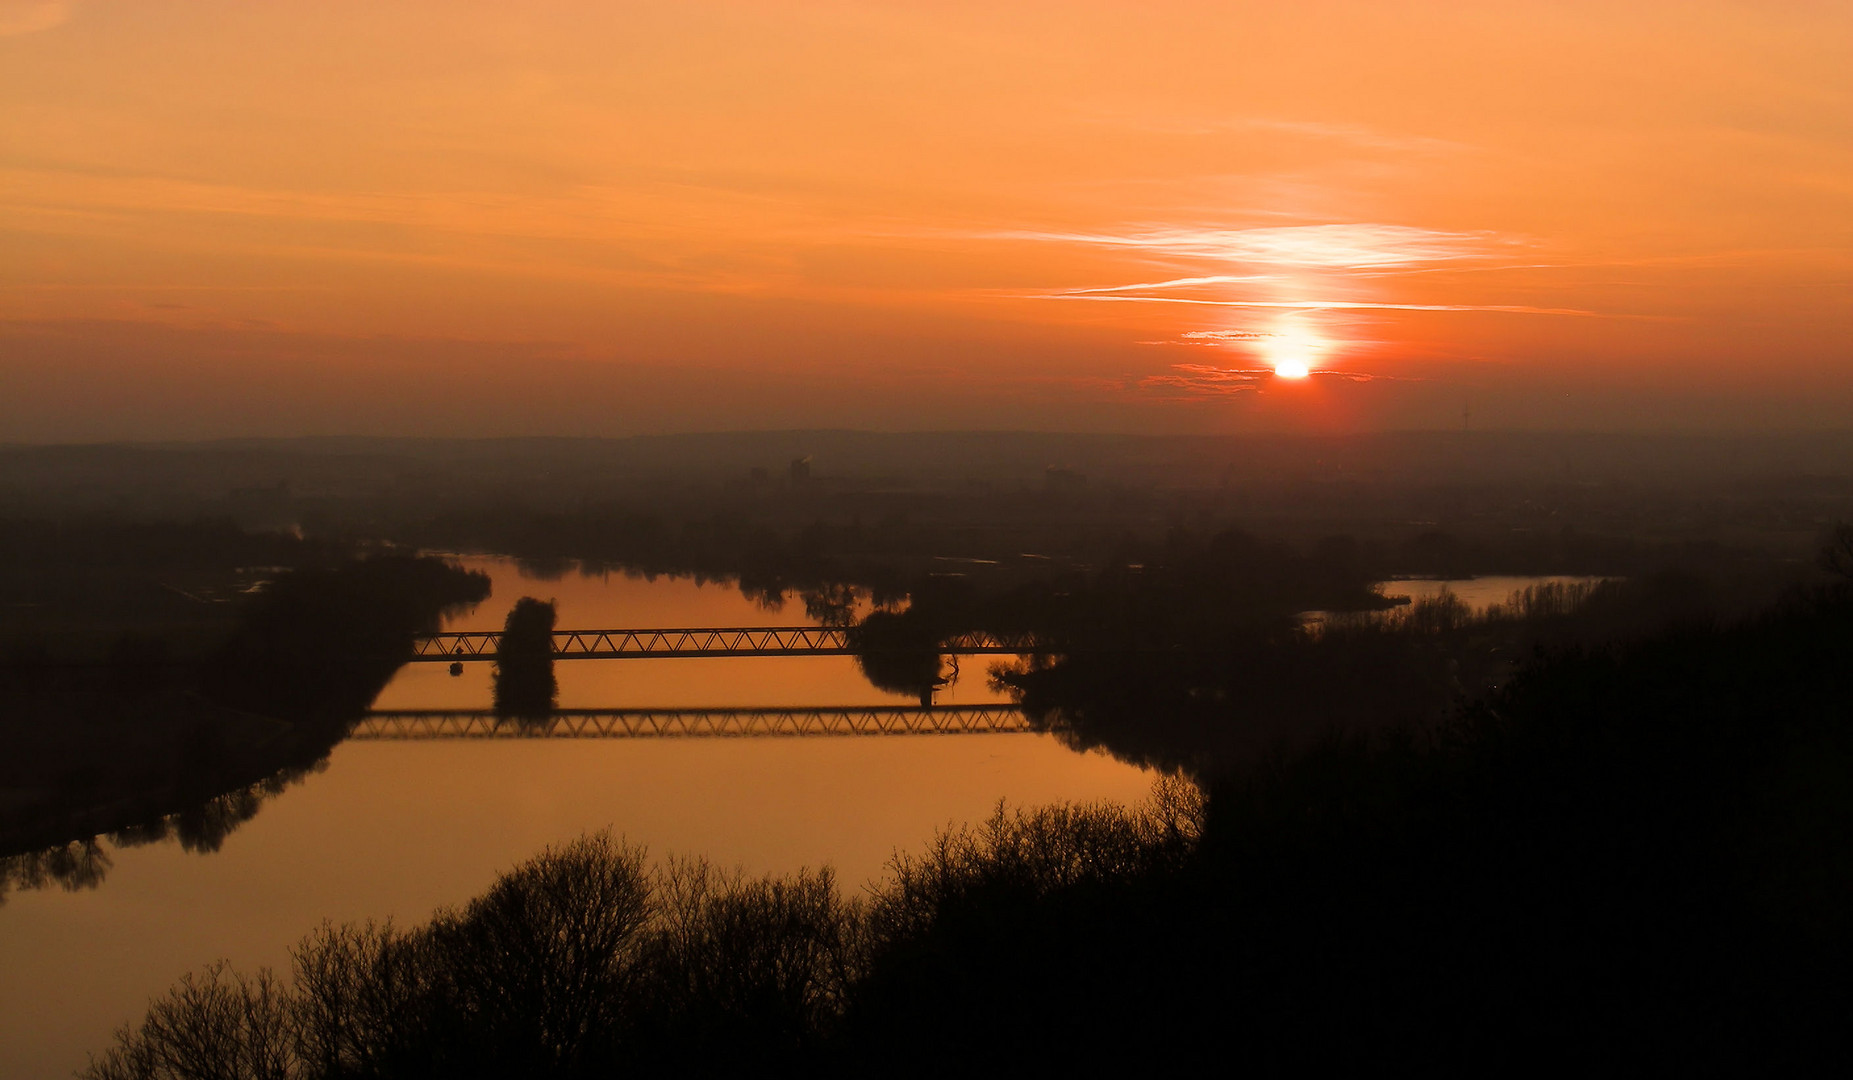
x,y
694,723
468,645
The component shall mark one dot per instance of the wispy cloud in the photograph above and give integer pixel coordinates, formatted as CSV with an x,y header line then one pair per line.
x,y
1355,136
1294,273
30,16
1199,381
1354,246
1207,382
1305,265
1219,337
1174,283
1312,305
1368,138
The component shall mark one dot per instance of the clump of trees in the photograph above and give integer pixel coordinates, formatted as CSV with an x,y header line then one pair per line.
x,y
1630,854
318,645
584,961
524,684
143,750
1225,690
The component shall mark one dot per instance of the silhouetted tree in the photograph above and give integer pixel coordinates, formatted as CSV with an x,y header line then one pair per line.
x,y
897,653
1836,554
524,683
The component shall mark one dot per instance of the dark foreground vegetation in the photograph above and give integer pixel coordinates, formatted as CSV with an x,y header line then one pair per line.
x,y
151,742
1607,825
583,962
1638,855
1268,686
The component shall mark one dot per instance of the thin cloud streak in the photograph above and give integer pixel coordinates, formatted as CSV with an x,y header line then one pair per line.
x,y
1174,283
1330,305
1206,382
1357,136
1329,247
30,16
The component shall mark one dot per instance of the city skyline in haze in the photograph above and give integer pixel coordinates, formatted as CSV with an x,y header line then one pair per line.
x,y
466,218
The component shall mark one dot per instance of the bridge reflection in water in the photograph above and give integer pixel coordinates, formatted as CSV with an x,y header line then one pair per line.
x,y
694,723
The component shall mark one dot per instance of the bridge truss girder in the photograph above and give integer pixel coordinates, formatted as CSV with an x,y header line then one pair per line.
x,y
696,642
694,723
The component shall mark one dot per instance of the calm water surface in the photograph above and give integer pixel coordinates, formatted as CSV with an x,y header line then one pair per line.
x,y
1477,593
395,830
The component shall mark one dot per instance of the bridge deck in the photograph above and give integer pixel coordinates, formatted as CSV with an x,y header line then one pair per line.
x,y
693,642
695,723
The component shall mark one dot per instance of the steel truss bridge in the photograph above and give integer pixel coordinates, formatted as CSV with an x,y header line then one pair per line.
x,y
700,641
695,723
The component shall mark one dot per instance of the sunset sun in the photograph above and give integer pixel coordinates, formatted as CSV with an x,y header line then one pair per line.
x,y
495,499
1292,367
1291,351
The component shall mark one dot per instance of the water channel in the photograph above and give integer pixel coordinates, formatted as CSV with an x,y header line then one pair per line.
x,y
394,830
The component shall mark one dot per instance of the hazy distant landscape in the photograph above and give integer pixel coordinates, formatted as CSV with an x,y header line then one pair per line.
x,y
191,630
703,538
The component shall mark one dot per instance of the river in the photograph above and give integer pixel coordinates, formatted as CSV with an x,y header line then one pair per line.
x,y
394,830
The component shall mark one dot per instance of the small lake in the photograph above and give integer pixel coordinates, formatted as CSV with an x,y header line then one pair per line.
x,y
398,829
1477,593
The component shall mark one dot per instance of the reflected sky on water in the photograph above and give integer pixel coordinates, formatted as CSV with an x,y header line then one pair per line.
x,y
394,830
1477,593
615,601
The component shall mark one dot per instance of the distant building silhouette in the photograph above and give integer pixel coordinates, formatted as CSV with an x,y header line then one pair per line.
x,y
801,470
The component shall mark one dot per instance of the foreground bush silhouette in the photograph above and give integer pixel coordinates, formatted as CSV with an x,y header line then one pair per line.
x,y
581,962
745,973
1636,856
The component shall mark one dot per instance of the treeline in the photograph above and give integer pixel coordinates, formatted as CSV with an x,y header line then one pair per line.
x,y
1144,578
584,962
31,546
1467,552
766,560
1226,693
103,590
1631,857
889,543
1197,651
318,645
136,748
1193,592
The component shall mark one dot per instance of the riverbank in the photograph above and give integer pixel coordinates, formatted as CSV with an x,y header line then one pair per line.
x,y
1628,856
77,764
121,747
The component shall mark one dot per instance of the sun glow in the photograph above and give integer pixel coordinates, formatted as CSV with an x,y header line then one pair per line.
x,y
1291,351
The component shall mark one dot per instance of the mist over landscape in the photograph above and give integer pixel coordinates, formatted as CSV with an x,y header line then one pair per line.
x,y
924,539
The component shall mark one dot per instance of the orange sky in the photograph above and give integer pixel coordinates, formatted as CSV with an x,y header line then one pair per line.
x,y
225,218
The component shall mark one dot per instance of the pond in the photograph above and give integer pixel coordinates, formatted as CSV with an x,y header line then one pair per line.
x,y
397,829
1478,594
